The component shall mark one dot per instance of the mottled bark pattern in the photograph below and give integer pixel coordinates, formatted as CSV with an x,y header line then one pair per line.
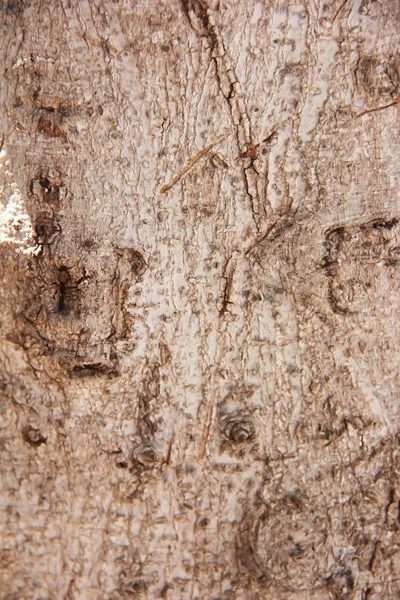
x,y
200,238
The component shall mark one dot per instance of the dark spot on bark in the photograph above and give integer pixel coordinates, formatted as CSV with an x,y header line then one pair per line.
x,y
296,551
88,244
66,110
367,593
378,76
252,297
146,457
61,307
334,238
165,354
33,436
16,6
52,194
133,588
45,228
203,522
295,498
49,127
45,190
339,580
350,581
45,183
392,262
63,279
165,590
121,464
382,224
136,260
94,369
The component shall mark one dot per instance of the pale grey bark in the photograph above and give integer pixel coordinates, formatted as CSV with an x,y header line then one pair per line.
x,y
200,273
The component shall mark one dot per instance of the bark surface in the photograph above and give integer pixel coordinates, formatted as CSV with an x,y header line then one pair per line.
x,y
200,246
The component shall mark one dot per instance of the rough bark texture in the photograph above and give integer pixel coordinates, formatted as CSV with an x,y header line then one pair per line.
x,y
200,297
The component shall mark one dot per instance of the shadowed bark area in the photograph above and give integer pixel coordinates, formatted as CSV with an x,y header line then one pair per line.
x,y
199,256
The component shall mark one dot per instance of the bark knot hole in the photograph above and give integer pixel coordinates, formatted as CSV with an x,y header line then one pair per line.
x,y
238,429
33,436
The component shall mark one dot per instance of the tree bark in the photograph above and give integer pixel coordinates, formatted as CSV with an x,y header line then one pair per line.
x,y
200,246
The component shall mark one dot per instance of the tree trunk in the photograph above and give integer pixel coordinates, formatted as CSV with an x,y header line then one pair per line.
x,y
200,272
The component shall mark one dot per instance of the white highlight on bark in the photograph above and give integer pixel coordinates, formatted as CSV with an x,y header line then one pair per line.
x,y
318,92
15,224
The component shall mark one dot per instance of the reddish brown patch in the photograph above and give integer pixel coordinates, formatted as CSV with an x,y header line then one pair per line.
x,y
49,128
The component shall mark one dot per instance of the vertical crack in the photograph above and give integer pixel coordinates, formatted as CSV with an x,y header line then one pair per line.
x,y
203,24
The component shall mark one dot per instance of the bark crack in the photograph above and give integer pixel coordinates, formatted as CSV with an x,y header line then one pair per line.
x,y
228,276
191,163
203,24
376,108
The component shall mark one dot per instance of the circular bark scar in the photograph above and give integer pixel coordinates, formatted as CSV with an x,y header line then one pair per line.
x,y
33,436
